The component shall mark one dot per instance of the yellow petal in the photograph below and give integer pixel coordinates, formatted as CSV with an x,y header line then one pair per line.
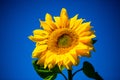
x,y
50,66
42,33
37,51
50,59
57,22
87,33
77,23
87,39
36,38
65,59
39,35
71,58
68,65
63,12
74,55
45,26
59,58
64,18
83,27
48,17
73,20
42,42
50,22
60,65
41,60
64,22
83,52
48,54
83,46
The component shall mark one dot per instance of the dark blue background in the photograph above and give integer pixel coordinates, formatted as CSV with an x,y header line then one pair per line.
x,y
19,18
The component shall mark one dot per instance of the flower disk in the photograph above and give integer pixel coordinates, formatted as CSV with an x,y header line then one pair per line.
x,y
62,41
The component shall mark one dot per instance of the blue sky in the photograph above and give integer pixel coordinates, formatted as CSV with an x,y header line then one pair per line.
x,y
18,18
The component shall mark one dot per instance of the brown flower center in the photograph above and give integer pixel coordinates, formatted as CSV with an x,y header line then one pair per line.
x,y
64,41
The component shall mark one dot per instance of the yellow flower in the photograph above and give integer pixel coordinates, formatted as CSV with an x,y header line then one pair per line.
x,y
62,40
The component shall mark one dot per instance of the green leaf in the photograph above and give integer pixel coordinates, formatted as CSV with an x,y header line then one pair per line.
x,y
51,77
97,76
89,71
46,74
94,41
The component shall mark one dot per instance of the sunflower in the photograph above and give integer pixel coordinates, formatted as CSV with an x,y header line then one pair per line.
x,y
62,40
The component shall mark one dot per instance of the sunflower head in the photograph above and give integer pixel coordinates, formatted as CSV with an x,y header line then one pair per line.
x,y
62,40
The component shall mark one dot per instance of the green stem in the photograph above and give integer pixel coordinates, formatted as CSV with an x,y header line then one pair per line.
x,y
77,71
63,75
69,74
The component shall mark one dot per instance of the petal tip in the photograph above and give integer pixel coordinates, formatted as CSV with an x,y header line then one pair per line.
x,y
30,37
